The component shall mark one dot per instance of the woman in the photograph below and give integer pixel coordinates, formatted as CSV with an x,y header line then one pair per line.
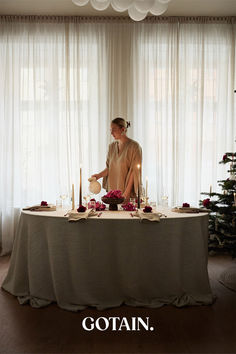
x,y
124,156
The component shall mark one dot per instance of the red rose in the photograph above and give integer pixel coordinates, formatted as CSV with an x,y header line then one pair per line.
x,y
81,209
100,206
147,209
116,194
224,157
128,207
206,202
43,203
186,205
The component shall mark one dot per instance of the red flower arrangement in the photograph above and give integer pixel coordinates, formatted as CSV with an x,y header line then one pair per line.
x,y
206,202
147,209
128,207
116,194
81,209
185,205
44,203
99,206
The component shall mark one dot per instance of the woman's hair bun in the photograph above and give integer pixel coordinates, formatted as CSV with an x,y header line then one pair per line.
x,y
121,122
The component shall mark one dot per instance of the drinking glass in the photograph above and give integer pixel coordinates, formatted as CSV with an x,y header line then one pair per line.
x,y
87,199
133,201
64,196
153,205
164,200
93,204
58,204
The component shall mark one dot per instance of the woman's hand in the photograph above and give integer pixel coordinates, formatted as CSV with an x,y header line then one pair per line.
x,y
104,173
97,175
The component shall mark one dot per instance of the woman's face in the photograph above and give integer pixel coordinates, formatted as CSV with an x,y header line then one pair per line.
x,y
116,131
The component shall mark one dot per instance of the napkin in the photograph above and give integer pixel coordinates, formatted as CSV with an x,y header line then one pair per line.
x,y
153,216
75,216
49,207
189,210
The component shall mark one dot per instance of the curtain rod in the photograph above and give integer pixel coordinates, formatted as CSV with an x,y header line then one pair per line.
x,y
116,19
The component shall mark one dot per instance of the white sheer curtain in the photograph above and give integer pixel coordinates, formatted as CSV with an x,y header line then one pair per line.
x,y
184,105
63,80
53,112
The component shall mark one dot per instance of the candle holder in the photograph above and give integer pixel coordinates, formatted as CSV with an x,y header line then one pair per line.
x,y
146,200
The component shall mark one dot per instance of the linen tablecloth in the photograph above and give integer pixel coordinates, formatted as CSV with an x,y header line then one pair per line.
x,y
110,260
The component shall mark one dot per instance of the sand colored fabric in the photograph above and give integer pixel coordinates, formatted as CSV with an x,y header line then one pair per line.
x,y
121,165
48,207
108,261
75,216
154,216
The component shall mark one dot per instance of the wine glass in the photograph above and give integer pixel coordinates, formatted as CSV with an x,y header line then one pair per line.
x,y
87,198
63,197
164,200
153,205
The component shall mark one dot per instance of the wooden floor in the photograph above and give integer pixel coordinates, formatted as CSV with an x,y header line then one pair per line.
x,y
203,329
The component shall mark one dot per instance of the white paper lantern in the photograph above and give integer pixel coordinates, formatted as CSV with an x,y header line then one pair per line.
x,y
158,8
143,6
121,5
100,6
80,2
135,14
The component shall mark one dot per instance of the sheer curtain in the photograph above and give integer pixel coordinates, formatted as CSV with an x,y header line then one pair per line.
x,y
184,105
64,79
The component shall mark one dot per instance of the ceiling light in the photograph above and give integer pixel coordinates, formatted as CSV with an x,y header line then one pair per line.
x,y
137,9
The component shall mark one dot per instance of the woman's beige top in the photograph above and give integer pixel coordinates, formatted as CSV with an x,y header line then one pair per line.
x,y
121,164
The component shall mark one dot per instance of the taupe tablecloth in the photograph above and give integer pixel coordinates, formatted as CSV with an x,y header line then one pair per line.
x,y
109,260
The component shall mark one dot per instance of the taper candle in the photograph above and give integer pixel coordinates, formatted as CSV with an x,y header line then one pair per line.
x,y
80,186
146,188
138,166
73,197
235,199
210,189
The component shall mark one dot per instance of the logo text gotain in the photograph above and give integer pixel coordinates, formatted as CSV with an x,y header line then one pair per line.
x,y
117,324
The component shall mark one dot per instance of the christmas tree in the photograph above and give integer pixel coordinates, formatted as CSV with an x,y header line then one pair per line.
x,y
222,212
